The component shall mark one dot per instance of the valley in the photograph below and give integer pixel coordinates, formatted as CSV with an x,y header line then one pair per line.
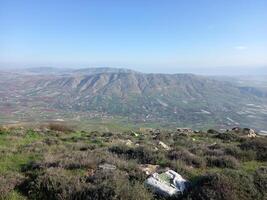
x,y
109,93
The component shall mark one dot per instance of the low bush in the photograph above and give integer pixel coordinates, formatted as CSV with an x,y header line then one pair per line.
x,y
210,187
243,184
229,185
58,184
244,155
212,131
214,152
53,183
222,162
187,157
260,181
62,127
227,136
181,167
259,145
8,182
142,154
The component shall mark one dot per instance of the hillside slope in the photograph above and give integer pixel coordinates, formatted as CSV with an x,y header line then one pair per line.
x,y
184,99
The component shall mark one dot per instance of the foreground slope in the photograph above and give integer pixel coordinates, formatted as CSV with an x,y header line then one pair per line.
x,y
54,161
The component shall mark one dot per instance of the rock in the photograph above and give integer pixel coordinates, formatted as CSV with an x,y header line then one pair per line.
x,y
165,146
184,130
167,184
249,132
135,134
129,143
148,169
107,167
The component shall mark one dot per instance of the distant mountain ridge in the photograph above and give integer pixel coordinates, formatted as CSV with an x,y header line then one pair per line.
x,y
82,71
185,99
89,71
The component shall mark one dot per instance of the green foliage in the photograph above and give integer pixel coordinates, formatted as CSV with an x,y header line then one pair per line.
x,y
53,164
222,162
243,184
260,181
212,186
227,136
144,155
8,182
57,184
187,157
244,155
259,145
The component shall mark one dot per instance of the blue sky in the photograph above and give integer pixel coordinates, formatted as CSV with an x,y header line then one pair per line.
x,y
146,35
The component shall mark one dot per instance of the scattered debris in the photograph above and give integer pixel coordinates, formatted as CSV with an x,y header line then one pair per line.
x,y
148,169
167,184
165,146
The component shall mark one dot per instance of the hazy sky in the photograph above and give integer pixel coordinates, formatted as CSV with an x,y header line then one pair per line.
x,y
146,35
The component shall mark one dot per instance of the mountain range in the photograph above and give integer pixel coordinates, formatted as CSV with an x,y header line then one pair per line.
x,y
181,99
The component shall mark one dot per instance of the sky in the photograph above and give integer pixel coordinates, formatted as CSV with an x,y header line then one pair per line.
x,y
145,35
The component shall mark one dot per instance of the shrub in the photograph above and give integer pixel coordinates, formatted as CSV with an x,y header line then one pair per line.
x,y
210,187
243,184
214,152
131,191
259,145
236,152
212,131
260,181
222,162
187,157
8,182
58,184
228,185
227,136
67,160
52,184
142,154
2,130
60,127
181,167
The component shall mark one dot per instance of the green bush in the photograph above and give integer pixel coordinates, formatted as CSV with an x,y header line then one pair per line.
x,y
222,162
260,181
244,155
212,131
58,184
227,136
142,154
211,187
62,127
8,182
259,145
187,157
243,184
